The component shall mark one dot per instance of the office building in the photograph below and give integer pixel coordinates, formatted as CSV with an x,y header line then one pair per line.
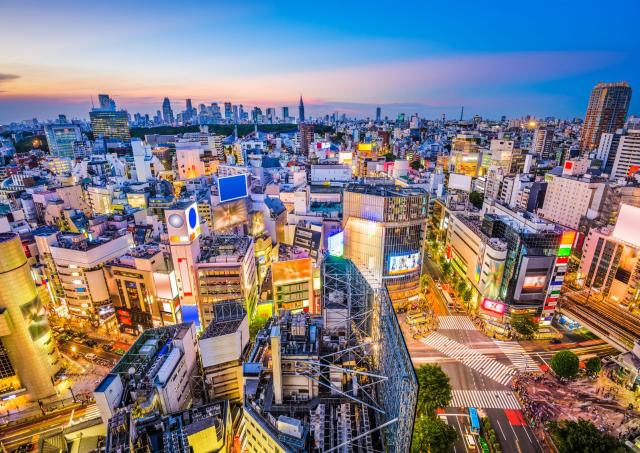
x,y
61,139
542,143
306,132
301,117
465,155
167,113
111,125
152,378
222,347
292,281
226,270
384,229
627,159
289,408
608,149
606,112
29,358
285,114
378,114
106,103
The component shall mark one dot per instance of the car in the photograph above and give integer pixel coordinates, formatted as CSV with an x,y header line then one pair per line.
x,y
78,340
470,441
90,356
106,347
443,417
90,342
119,351
556,341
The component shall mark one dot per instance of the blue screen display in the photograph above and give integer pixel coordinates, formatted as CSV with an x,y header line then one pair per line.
x,y
232,187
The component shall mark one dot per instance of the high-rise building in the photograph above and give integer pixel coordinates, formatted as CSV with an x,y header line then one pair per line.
x,y
111,125
106,103
384,230
306,137
285,113
606,112
301,111
29,359
228,111
167,113
61,139
378,114
627,160
542,143
608,149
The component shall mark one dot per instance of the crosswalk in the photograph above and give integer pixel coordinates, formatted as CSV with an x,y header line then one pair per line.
x,y
517,355
455,323
484,399
91,413
469,357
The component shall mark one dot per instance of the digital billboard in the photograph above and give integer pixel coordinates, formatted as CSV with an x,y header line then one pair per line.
x,y
336,244
232,188
534,283
401,264
493,307
307,239
228,215
628,225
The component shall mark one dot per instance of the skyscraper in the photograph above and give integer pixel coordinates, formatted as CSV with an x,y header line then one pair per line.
x,y
378,114
285,113
228,111
167,113
627,158
306,137
25,338
190,112
110,125
61,138
301,111
542,143
106,103
606,112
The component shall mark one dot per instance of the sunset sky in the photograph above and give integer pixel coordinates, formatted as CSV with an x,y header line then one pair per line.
x,y
512,58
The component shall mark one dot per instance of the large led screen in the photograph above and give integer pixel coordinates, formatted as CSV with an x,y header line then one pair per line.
x,y
402,264
232,188
628,225
228,215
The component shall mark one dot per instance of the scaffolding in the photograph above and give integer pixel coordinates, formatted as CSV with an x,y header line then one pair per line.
x,y
375,344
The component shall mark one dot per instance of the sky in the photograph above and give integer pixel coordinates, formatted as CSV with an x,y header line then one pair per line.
x,y
427,57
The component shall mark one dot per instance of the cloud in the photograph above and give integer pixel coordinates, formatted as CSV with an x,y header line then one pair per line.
x,y
8,77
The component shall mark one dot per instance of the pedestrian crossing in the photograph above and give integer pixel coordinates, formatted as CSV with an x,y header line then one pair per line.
x,y
484,399
469,357
455,323
91,413
517,355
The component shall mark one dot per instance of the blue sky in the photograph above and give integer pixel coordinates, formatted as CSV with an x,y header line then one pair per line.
x,y
494,58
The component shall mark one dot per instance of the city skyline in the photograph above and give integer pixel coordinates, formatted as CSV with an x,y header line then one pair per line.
x,y
422,58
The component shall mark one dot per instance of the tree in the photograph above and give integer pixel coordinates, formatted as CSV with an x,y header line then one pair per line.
x,y
432,435
582,437
466,295
390,157
565,364
461,286
434,389
446,268
476,199
415,164
525,326
594,365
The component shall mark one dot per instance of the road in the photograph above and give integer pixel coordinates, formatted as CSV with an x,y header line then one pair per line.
x,y
31,432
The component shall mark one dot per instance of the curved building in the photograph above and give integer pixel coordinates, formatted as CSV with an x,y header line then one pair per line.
x,y
24,328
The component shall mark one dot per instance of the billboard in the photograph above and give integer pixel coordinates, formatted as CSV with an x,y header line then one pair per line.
x,y
232,188
35,316
336,244
534,283
493,307
628,225
286,272
401,264
307,239
459,182
228,215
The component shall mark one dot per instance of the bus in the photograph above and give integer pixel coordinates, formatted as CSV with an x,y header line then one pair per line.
x,y
475,421
447,299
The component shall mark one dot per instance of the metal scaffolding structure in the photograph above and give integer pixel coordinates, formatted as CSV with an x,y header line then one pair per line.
x,y
375,343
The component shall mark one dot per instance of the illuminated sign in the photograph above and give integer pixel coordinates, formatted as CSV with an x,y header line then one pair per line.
x,y
404,263
336,244
493,307
535,282
232,188
365,146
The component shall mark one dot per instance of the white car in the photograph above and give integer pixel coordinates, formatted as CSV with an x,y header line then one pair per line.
x,y
90,356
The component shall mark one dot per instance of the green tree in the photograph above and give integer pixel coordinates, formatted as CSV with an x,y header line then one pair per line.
x,y
434,389
390,157
415,164
594,365
476,199
565,364
432,435
525,326
583,437
467,294
446,268
461,286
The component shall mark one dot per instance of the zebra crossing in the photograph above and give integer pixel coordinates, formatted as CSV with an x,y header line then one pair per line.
x,y
91,413
455,323
484,399
517,355
469,357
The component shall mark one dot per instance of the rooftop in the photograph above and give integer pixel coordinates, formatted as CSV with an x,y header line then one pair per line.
x,y
228,316
228,245
385,190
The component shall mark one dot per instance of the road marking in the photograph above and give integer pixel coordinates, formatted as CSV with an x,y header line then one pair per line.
x,y
517,355
470,357
484,399
455,323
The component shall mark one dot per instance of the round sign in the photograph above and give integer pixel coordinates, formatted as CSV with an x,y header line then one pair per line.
x,y
193,218
176,220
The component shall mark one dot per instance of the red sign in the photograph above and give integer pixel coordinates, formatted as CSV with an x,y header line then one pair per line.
x,y
562,260
568,165
494,307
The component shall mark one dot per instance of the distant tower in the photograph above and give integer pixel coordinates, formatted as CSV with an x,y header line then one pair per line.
x,y
461,113
167,113
189,109
378,114
25,337
301,111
